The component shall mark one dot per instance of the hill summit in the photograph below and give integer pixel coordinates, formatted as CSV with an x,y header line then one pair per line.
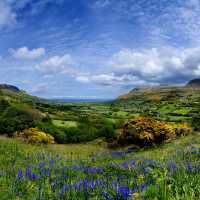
x,y
194,83
9,87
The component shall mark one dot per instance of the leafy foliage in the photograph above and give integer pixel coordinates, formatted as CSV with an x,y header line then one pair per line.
x,y
15,119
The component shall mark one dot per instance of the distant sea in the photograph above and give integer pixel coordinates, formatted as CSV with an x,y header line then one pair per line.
x,y
70,100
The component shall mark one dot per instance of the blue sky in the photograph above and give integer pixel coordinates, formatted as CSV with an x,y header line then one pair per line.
x,y
98,48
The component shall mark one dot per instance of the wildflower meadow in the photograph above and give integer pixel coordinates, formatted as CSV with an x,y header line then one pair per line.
x,y
40,173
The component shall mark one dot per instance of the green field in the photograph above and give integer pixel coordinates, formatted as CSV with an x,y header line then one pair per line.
x,y
67,124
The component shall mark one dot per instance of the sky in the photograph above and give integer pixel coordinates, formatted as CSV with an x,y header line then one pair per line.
x,y
98,48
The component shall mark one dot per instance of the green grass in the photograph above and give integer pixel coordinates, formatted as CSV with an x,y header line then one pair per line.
x,y
66,124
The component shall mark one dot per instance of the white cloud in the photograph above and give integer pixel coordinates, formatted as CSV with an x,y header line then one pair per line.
x,y
56,64
25,53
7,16
157,64
112,79
148,67
39,89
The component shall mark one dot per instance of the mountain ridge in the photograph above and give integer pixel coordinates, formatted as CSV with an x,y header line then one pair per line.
x,y
9,87
194,83
163,91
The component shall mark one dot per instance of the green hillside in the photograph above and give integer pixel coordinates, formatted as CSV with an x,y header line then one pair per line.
x,y
82,122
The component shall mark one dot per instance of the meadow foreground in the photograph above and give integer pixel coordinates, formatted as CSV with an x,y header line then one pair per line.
x,y
91,171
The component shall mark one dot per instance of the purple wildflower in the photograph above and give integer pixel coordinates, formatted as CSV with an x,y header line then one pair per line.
x,y
20,175
64,190
190,168
123,192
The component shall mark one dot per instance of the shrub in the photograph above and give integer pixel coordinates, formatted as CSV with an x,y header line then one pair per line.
x,y
146,131
14,119
183,129
107,131
82,133
50,128
35,136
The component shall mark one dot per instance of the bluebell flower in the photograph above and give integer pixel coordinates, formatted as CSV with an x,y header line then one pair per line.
x,y
92,185
78,185
64,189
117,154
107,196
133,164
144,186
52,163
94,170
42,165
28,172
20,175
125,165
48,172
172,167
123,192
86,184
54,186
190,168
34,177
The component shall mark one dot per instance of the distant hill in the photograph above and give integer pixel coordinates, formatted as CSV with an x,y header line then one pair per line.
x,y
9,87
194,83
163,92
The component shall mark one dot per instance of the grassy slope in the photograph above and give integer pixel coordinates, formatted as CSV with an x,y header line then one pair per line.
x,y
96,147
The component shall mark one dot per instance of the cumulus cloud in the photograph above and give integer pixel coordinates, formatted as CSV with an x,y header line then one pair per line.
x,y
25,53
148,67
112,79
56,64
7,16
157,64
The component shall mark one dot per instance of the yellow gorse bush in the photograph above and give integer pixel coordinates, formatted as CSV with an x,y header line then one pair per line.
x,y
34,136
183,129
148,131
